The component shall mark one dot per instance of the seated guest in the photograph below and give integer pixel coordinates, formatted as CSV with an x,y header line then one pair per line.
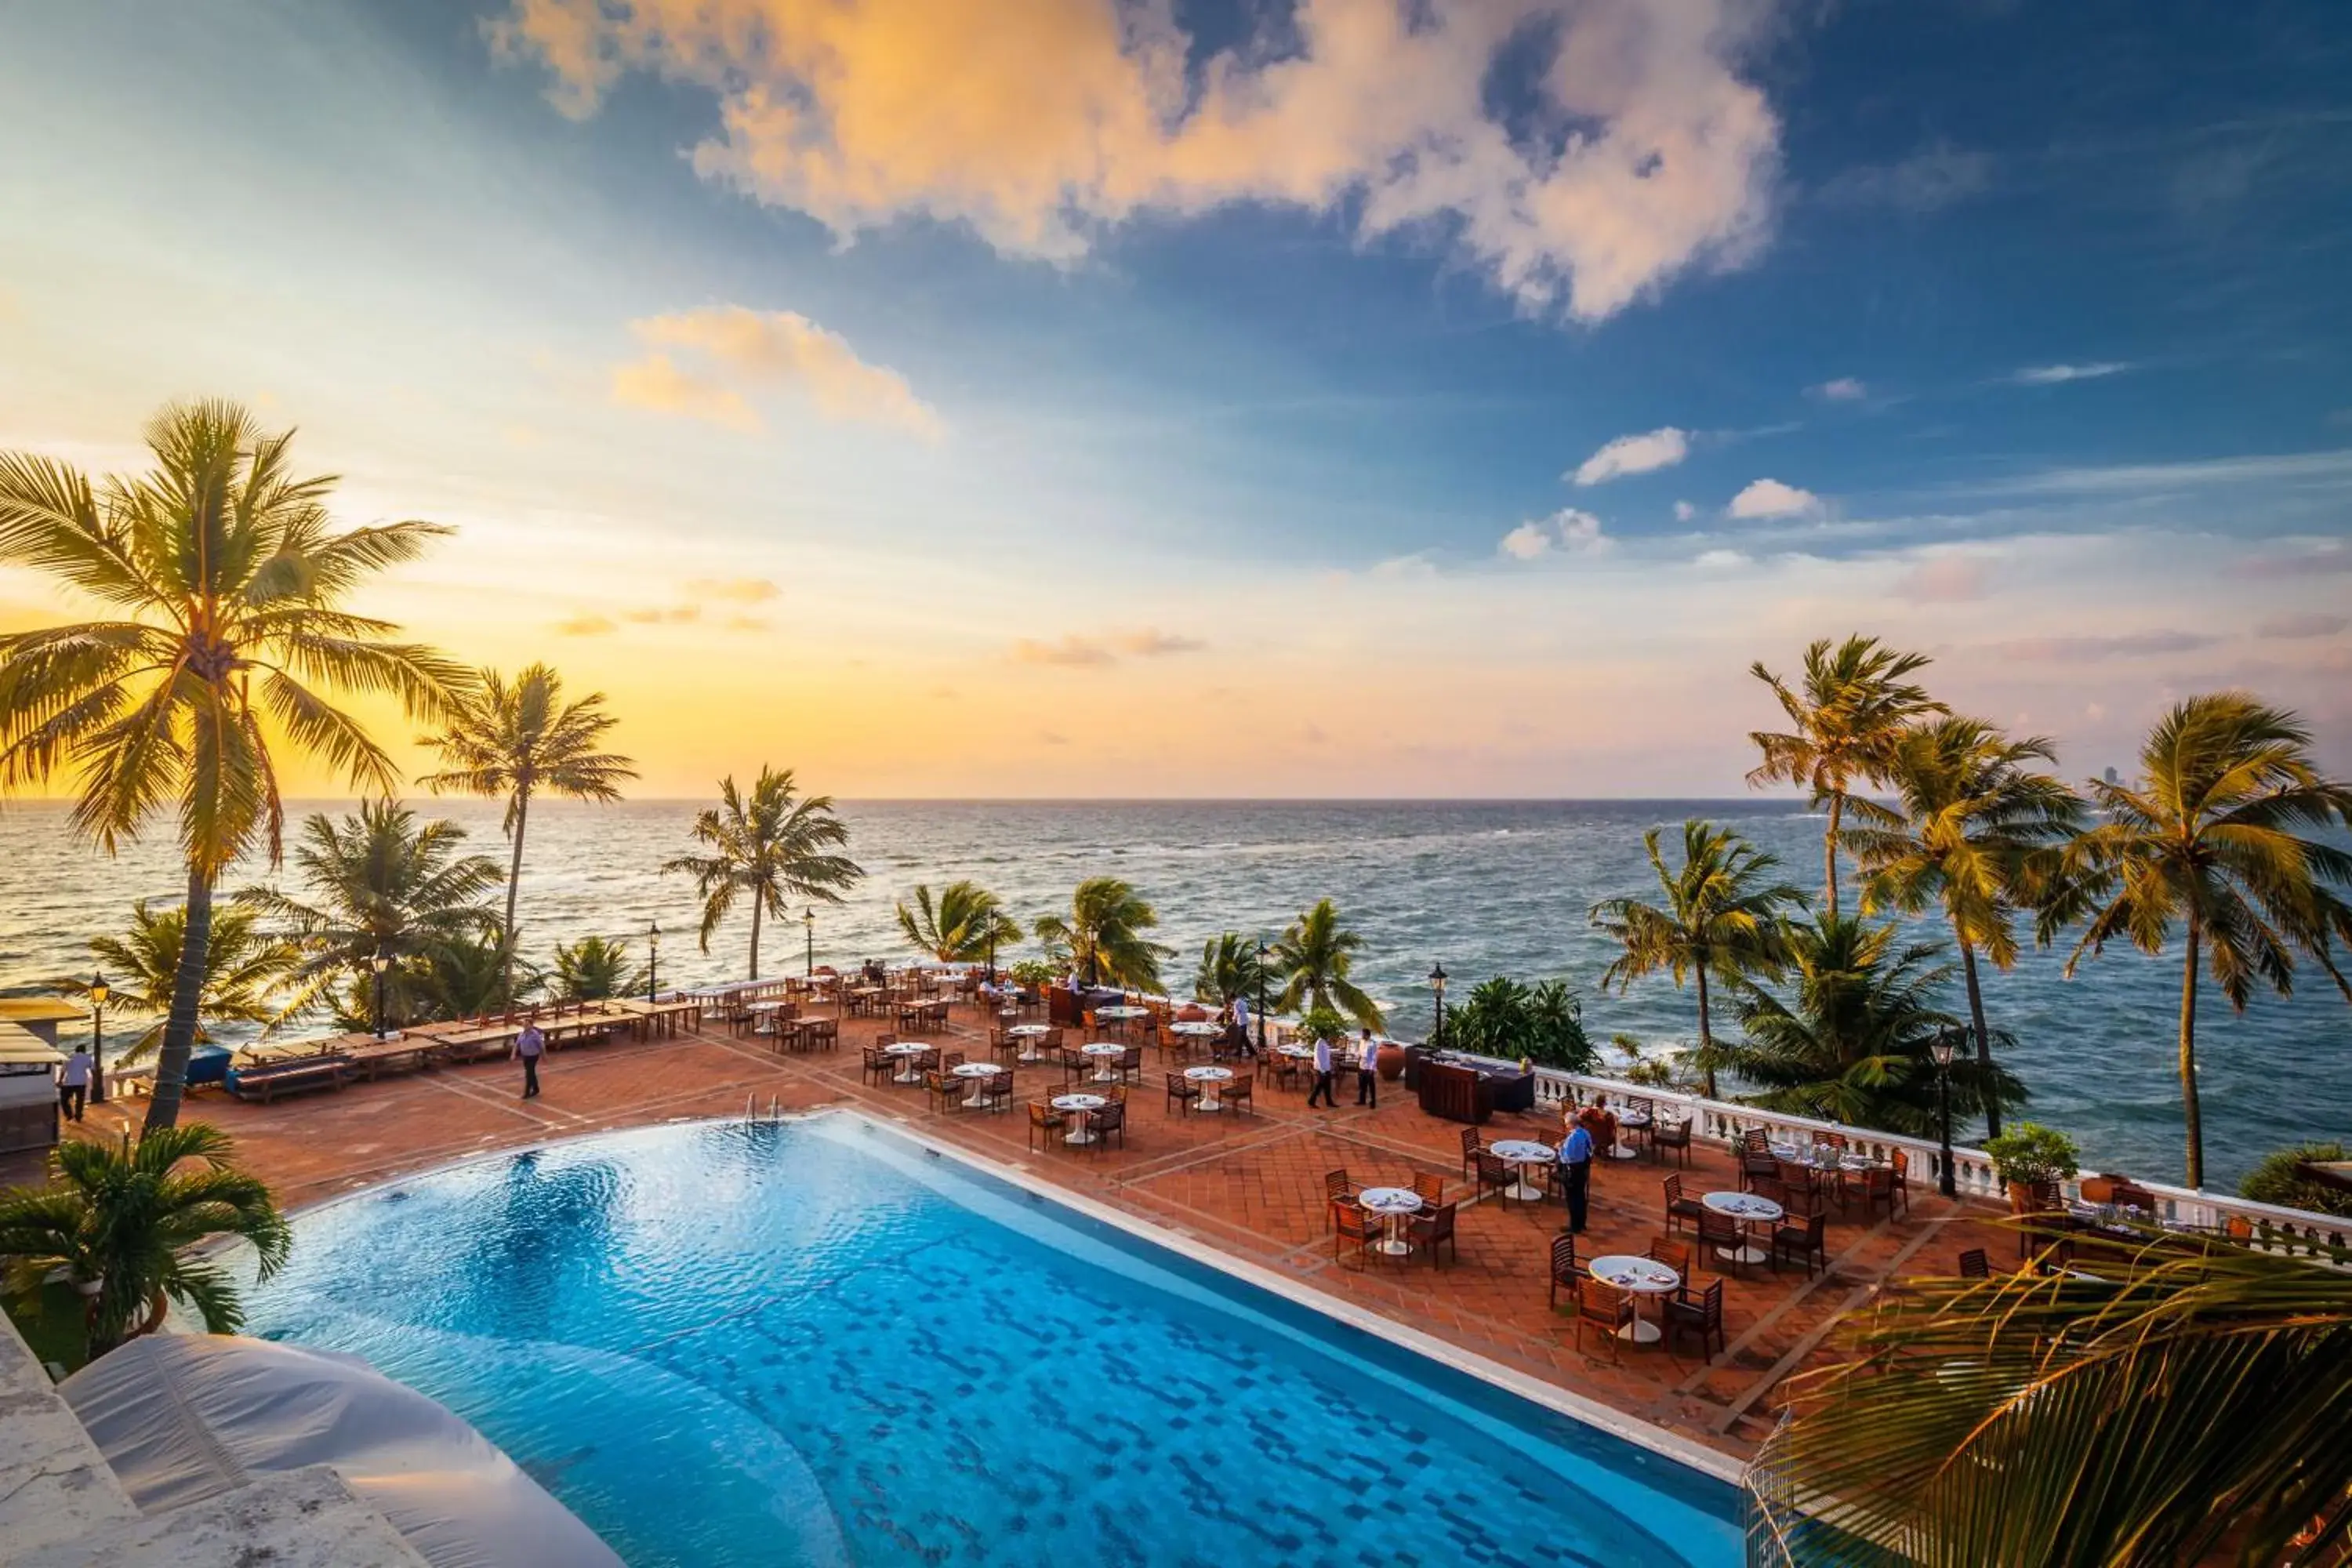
x,y
1599,1122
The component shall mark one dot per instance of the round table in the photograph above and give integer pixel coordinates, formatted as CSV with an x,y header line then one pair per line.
x,y
1208,1079
907,1051
1028,1035
1297,1052
1822,1157
1638,1277
1196,1031
1122,1014
1108,1053
1076,1104
1628,1121
1392,1203
1748,1209
979,1073
1519,1153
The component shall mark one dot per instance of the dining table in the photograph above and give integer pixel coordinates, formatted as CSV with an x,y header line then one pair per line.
x,y
1076,1107
907,1052
1747,1208
1209,1077
1642,1279
1521,1154
1391,1204
978,1075
1106,1054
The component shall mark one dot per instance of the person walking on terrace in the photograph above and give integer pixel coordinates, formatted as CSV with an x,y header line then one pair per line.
x,y
1576,1174
1368,1081
530,1046
73,1083
1322,1076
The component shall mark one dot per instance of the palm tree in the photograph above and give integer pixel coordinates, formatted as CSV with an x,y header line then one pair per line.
x,y
1230,970
1855,1041
120,1220
381,884
464,974
1314,957
244,968
593,969
227,578
520,739
1103,935
1721,917
2208,840
964,926
2189,1405
1976,823
1855,702
774,845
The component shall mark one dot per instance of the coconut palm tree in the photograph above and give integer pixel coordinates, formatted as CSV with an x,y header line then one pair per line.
x,y
772,846
964,925
2187,1406
1854,1040
1103,935
228,579
1854,701
120,1219
593,969
1721,919
463,974
243,969
1314,956
1975,822
1230,970
515,741
381,884
2214,838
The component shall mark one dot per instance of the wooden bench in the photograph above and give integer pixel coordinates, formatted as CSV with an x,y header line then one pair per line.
x,y
267,1081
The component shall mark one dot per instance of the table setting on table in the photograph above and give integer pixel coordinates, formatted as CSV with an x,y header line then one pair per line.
x,y
1520,1155
1642,1278
978,1074
1106,1054
1209,1078
1074,1107
1748,1209
1391,1204
1823,1157
907,1051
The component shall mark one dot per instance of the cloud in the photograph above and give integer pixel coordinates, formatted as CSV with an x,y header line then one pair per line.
x,y
1076,652
746,624
585,627
1844,389
1929,180
2311,624
2058,375
1636,151
2323,560
1567,529
736,590
2087,650
746,348
1685,512
1660,449
1944,580
1721,561
1415,566
664,614
1152,643
2329,469
1770,498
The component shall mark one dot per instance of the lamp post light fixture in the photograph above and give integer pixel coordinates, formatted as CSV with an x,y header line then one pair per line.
x,y
991,955
653,961
1945,1045
379,963
1437,984
1264,954
808,922
98,995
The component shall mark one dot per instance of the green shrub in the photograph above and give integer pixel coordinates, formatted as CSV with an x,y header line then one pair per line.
x,y
2029,1152
2276,1180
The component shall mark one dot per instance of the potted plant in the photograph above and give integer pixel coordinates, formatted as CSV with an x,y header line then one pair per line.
x,y
1321,1024
2029,1155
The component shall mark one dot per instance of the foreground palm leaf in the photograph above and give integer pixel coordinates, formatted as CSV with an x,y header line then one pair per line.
x,y
965,925
774,846
227,575
2189,1406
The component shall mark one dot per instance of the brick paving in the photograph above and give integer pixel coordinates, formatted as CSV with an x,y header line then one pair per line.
x,y
1249,1184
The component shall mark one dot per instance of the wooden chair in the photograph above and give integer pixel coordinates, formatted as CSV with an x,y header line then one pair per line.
x,y
1429,1189
1674,1255
1002,1047
1105,1121
1289,1072
1353,1228
1130,1065
1472,1142
1876,1189
1238,1096
878,1067
1183,1093
1602,1306
1680,1209
1975,1265
1494,1176
1721,1232
996,1093
1564,1269
1801,1183
1756,1157
1684,1313
1431,1230
1338,1193
1045,1123
1799,1235
1900,1161
945,1094
1672,1136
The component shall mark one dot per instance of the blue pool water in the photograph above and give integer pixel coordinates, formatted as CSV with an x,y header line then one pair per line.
x,y
818,1342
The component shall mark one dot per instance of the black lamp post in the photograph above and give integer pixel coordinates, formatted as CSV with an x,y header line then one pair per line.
x,y
991,955
652,963
98,995
808,920
1264,954
1945,1045
379,963
1437,984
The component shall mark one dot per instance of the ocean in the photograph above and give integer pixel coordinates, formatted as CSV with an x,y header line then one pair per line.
x,y
1487,887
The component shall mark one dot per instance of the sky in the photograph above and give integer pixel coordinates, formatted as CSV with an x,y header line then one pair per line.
x,y
1337,398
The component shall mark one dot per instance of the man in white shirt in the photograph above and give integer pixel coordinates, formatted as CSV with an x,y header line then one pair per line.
x,y
73,1083
1368,1080
1322,1076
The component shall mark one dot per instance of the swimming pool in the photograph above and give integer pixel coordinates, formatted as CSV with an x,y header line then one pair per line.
x,y
818,1342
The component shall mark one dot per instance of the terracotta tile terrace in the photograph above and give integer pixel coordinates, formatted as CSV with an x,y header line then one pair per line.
x,y
1249,1184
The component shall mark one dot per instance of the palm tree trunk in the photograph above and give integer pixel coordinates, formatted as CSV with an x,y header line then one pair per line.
x,y
1984,1039
187,992
1829,848
2188,1114
757,904
514,882
1706,1038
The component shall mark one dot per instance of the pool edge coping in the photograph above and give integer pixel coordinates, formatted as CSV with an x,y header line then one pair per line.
x,y
1588,1412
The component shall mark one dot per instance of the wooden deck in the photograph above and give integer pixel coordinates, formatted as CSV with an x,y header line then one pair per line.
x,y
1252,1185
